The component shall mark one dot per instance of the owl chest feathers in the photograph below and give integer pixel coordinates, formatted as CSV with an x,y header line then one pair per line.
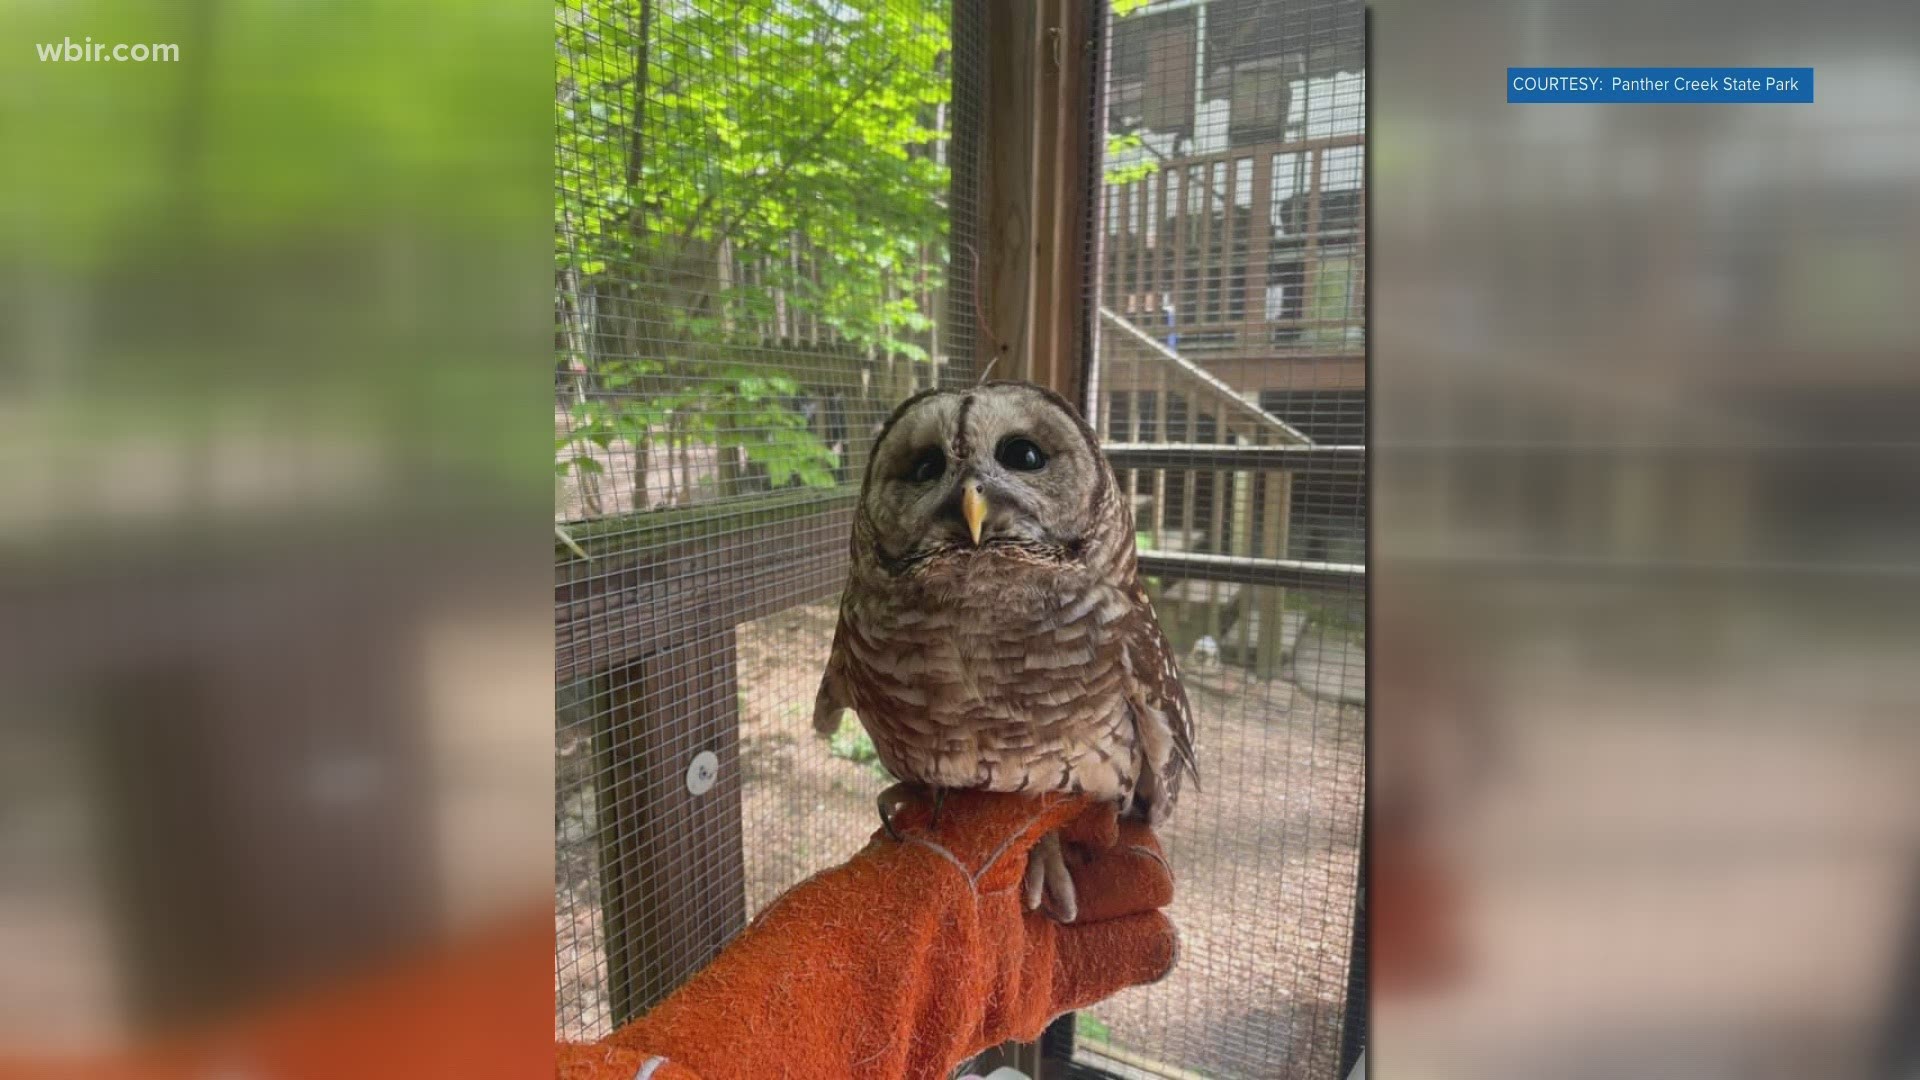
x,y
1011,685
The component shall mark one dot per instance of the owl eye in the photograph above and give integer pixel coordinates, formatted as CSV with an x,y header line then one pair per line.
x,y
928,467
1020,455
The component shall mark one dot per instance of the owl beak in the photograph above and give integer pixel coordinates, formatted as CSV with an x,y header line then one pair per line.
x,y
973,507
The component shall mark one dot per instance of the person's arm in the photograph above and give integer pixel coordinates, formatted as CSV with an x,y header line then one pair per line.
x,y
912,956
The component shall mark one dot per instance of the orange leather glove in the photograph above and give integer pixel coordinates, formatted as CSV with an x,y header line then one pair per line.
x,y
914,955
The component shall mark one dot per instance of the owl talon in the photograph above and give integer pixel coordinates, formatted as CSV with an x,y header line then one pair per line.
x,y
1048,884
890,801
939,800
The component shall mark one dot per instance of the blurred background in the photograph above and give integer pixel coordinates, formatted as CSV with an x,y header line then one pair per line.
x,y
1647,491
277,342
274,623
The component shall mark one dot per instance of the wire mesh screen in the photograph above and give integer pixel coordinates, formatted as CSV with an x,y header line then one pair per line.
x,y
1230,390
753,204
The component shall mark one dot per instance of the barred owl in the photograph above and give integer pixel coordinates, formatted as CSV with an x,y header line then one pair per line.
x,y
993,632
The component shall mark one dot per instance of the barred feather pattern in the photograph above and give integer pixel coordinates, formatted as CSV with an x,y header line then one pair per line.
x,y
1014,667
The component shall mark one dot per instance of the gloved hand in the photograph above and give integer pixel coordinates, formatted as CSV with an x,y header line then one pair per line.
x,y
914,955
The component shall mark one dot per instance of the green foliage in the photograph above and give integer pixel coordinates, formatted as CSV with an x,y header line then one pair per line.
x,y
1118,144
789,136
1088,1026
852,743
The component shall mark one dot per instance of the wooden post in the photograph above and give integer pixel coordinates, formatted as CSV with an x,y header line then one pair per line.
x,y
1135,411
1310,248
1276,516
672,876
1187,497
1255,332
1242,545
1038,166
1161,433
1217,526
1180,195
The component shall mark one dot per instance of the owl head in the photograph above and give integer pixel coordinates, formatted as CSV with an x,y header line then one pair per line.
x,y
1003,469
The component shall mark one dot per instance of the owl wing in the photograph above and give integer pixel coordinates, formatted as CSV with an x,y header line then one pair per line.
x,y
1162,718
834,696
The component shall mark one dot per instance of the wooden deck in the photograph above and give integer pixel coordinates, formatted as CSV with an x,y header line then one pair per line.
x,y
1252,258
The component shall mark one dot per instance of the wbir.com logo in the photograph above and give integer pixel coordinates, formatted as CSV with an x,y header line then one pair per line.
x,y
89,51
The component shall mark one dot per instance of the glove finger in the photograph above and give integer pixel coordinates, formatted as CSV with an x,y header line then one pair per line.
x,y
990,833
1138,833
1094,961
1127,879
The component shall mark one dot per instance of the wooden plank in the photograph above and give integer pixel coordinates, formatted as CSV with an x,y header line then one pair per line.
x,y
672,876
1177,183
656,584
1068,173
1275,520
1193,316
1254,330
1162,433
1134,409
1162,244
1008,174
1310,248
1229,237
1298,573
1187,494
1220,198
1216,531
1277,368
1320,459
1242,542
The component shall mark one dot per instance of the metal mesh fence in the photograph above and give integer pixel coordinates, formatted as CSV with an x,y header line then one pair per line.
x,y
763,243
752,215
1230,388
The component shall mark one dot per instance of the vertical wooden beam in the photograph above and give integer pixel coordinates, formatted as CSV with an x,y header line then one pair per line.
x,y
1039,167
1242,546
1180,195
1160,290
1162,433
1276,517
1007,179
1135,411
1217,524
1187,496
1254,330
672,876
1310,248
1203,236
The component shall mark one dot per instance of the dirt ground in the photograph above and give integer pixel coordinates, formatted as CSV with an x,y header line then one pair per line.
x,y
1265,854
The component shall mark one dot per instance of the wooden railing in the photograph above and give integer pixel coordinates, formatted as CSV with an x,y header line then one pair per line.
x,y
1193,251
